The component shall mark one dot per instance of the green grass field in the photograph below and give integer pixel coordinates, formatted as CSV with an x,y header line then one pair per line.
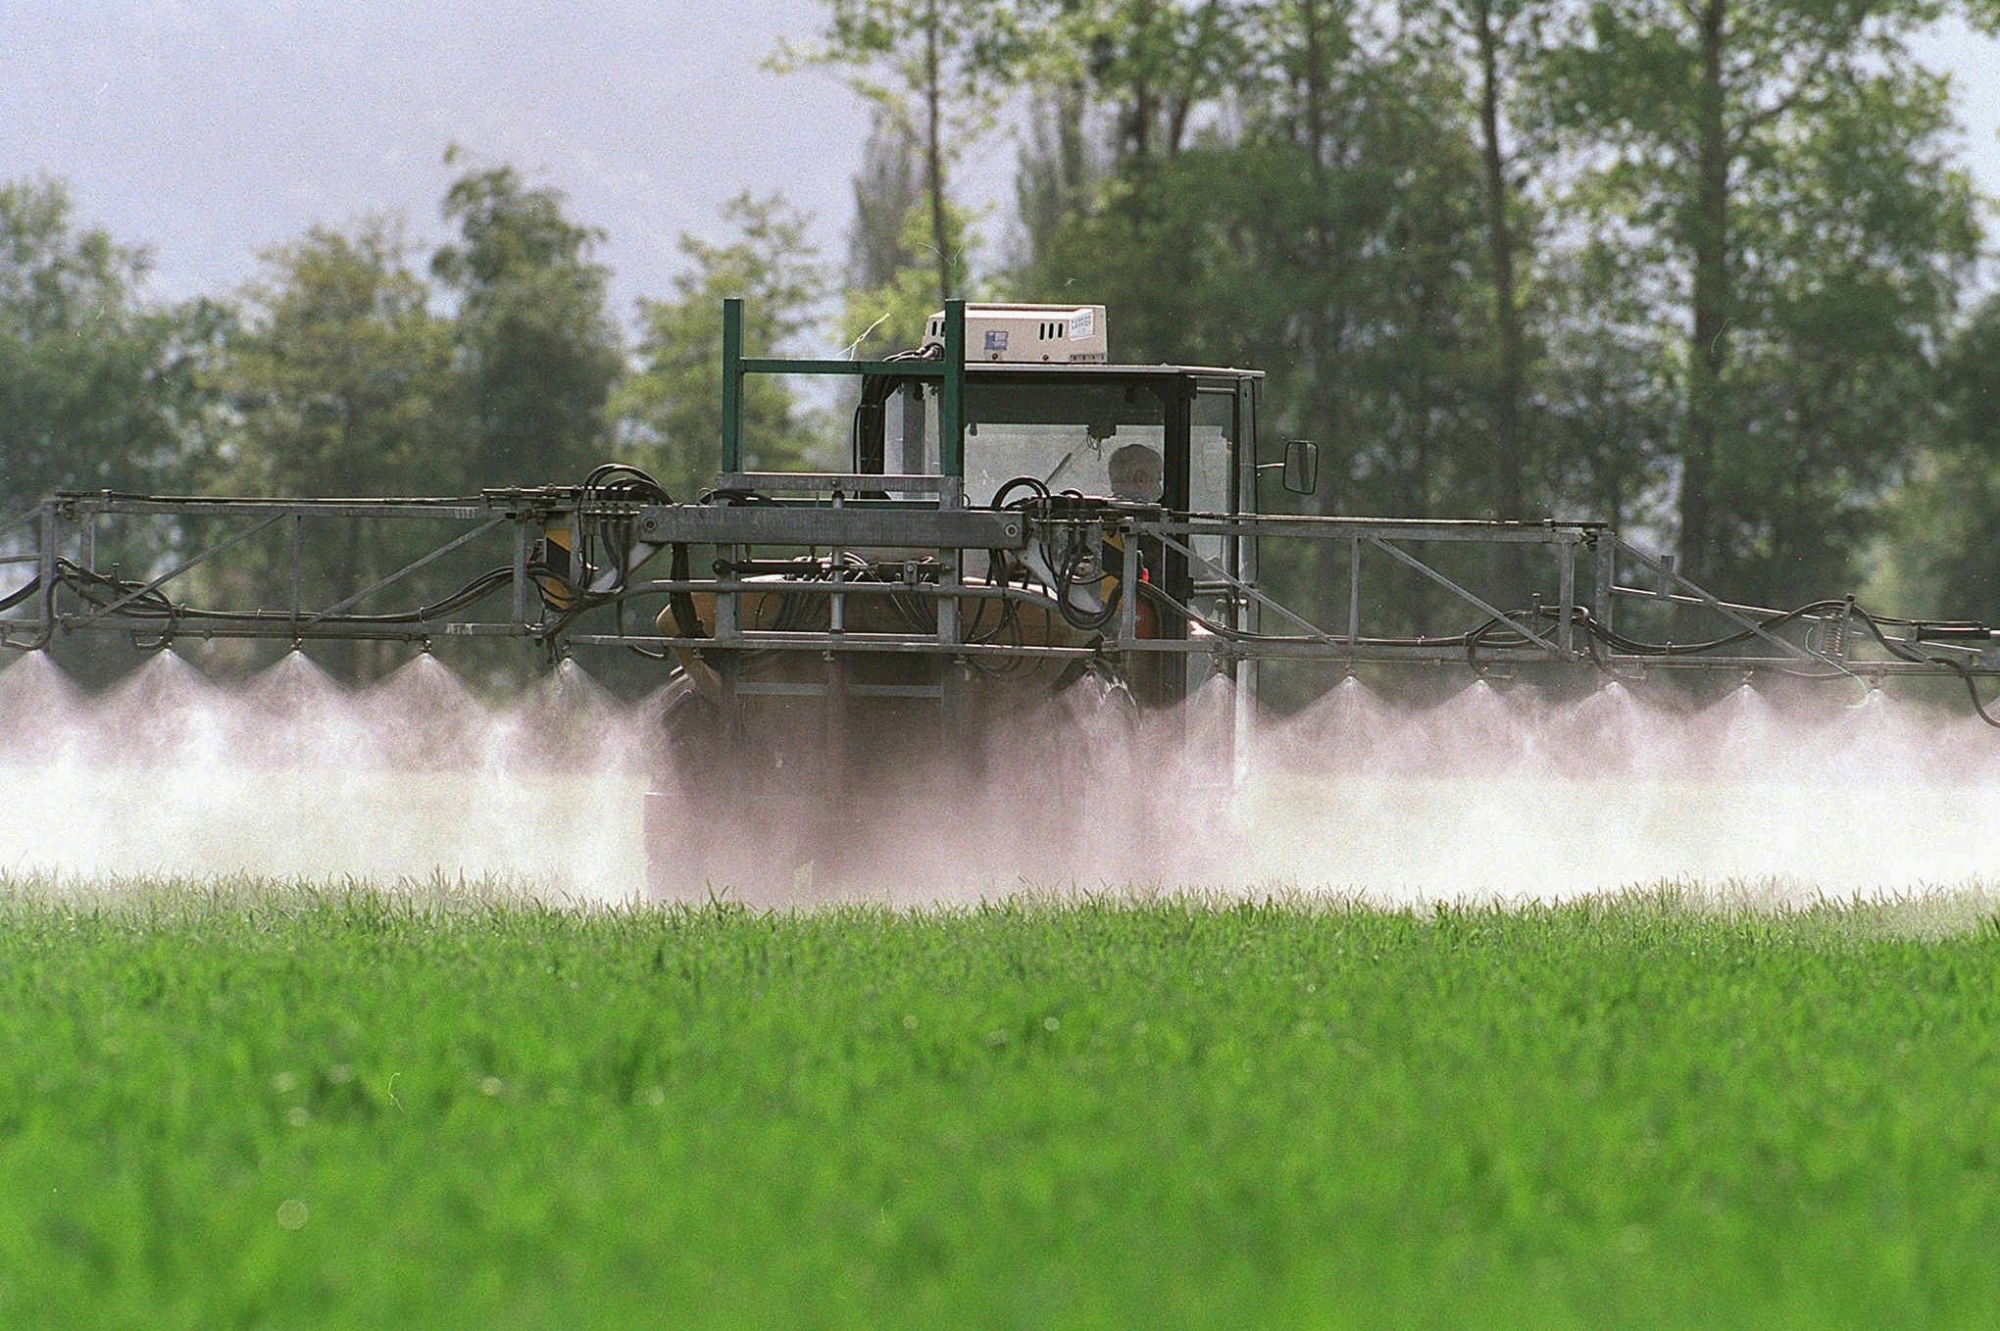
x,y
244,1105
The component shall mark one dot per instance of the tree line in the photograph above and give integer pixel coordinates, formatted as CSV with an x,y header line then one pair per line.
x,y
1702,268
354,365
1697,267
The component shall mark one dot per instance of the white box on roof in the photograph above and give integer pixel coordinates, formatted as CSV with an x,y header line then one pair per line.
x,y
1029,334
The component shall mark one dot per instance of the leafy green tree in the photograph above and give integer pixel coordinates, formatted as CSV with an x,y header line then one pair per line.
x,y
341,380
1057,170
1942,559
97,388
1490,28
1288,186
1123,87
1680,263
537,354
670,409
1115,208
340,373
1155,67
1781,166
891,315
932,68
1126,187
1858,281
887,190
1498,46
1605,388
1369,137
891,284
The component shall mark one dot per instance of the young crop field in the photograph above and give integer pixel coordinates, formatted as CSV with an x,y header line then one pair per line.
x,y
245,1104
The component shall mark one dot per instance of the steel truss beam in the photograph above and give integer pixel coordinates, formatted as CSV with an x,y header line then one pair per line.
x,y
61,535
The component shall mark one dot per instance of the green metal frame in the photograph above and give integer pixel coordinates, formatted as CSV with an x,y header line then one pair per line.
x,y
950,372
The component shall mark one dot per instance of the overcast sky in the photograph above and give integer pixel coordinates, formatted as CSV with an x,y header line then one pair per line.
x,y
208,129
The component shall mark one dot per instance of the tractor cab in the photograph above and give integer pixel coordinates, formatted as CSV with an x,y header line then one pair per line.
x,y
1042,401
1017,517
1048,421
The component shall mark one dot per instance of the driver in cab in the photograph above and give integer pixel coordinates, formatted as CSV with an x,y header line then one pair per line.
x,y
1136,473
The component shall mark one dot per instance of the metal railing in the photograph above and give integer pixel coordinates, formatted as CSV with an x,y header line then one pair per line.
x,y
189,592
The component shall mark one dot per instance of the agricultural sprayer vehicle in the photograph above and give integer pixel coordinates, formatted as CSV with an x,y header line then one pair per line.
x,y
1016,515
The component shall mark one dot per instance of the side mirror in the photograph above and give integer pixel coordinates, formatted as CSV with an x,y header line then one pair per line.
x,y
1301,466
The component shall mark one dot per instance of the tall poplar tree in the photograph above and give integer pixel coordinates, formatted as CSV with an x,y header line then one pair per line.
x,y
340,377
98,388
1782,166
537,354
670,408
938,70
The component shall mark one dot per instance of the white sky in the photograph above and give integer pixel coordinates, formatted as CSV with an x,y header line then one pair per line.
x,y
208,129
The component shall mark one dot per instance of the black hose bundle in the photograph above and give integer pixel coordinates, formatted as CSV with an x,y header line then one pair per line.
x,y
1904,651
605,541
1493,634
102,591
20,594
1071,560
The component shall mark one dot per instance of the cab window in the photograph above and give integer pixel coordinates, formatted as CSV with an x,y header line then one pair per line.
x,y
1212,435
1062,434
